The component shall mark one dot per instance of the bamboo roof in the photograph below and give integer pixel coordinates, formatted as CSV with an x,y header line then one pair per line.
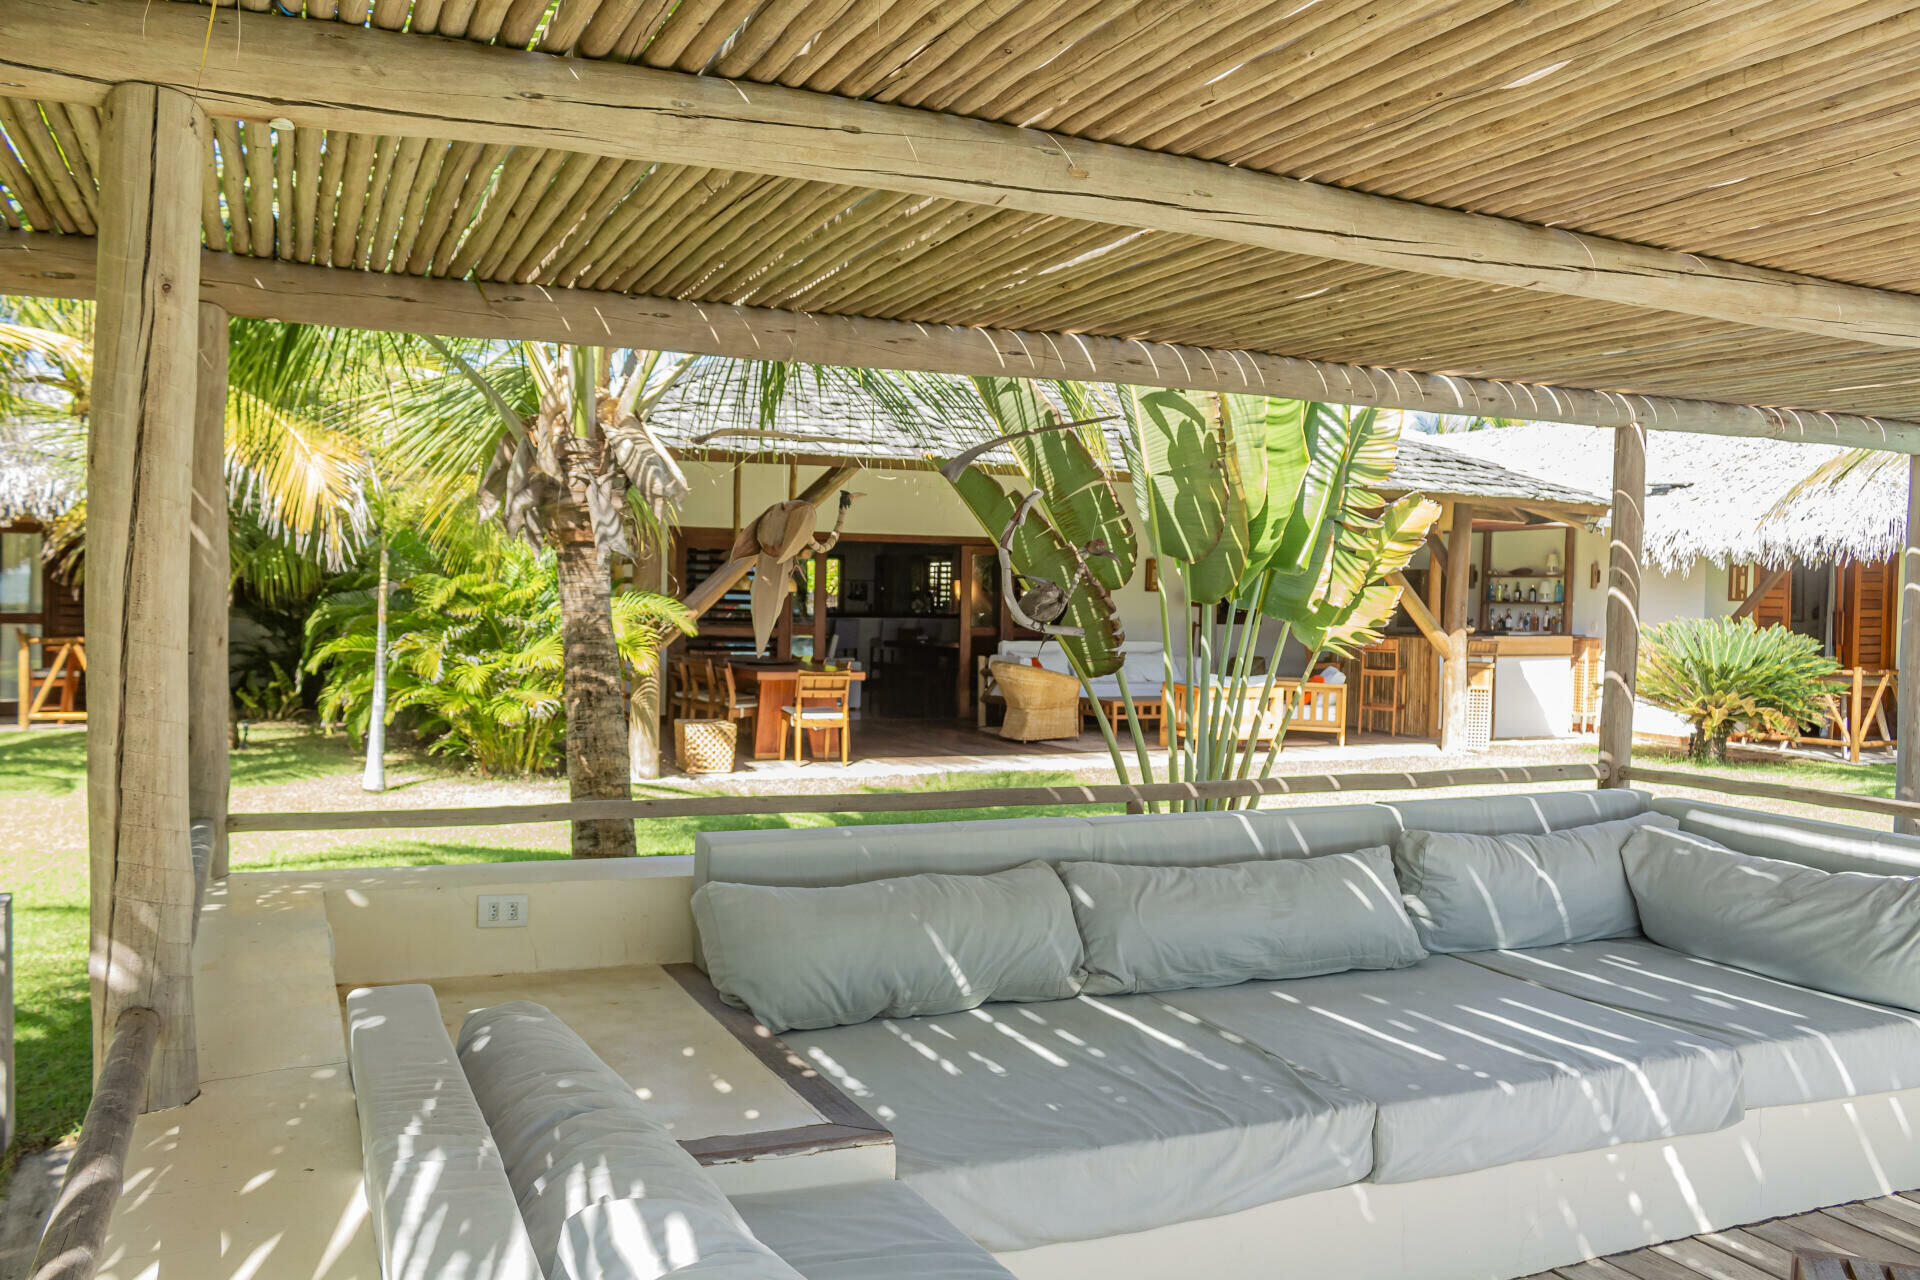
x,y
1723,500
1776,133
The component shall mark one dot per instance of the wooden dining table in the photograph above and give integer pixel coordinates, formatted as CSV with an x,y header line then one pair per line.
x,y
774,688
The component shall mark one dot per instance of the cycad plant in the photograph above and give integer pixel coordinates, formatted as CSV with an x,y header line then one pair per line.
x,y
1726,675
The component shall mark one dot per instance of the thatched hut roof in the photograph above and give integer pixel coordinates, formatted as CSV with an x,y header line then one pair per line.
x,y
710,417
35,483
1720,498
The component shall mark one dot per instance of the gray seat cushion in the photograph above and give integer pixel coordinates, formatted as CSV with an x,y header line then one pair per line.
x,y
871,1231
1796,1045
1470,1068
1027,1124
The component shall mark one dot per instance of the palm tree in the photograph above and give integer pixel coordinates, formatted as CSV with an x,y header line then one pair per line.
x,y
558,439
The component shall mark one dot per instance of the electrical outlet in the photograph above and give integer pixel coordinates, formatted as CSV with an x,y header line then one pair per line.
x,y
503,910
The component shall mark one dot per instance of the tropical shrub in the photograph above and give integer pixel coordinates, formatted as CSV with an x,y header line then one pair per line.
x,y
475,654
1726,674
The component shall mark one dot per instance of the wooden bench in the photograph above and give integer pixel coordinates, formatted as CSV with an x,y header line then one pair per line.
x,y
1322,709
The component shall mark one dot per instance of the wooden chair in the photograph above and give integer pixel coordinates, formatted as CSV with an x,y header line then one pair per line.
x,y
728,702
1379,676
820,702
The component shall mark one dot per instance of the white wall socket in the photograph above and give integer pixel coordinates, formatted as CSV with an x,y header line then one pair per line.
x,y
503,910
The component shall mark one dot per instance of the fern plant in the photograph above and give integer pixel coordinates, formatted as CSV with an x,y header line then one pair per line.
x,y
1726,674
476,654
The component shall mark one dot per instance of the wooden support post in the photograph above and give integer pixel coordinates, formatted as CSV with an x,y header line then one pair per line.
x,y
139,482
1768,580
1453,616
1623,603
207,685
1906,776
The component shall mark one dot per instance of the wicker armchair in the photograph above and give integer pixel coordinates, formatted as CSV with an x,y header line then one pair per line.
x,y
1041,704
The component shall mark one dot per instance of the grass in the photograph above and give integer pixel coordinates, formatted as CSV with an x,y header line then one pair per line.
x,y
1868,778
43,862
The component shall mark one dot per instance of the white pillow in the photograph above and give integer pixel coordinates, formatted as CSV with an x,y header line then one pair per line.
x,y
1487,893
1843,932
805,957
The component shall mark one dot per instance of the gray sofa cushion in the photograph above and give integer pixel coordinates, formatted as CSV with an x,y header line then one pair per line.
x,y
823,957
1796,1045
1534,812
1471,1068
1168,928
1478,893
649,1238
1035,1123
437,1188
869,1231
1846,932
1829,846
575,1135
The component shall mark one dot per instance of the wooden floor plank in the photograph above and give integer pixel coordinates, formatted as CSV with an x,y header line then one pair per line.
x,y
1896,1206
1764,1254
1705,1260
1645,1264
1823,1234
1597,1269
1886,1226
1866,1243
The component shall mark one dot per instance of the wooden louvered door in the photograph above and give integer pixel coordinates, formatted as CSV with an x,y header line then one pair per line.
x,y
1863,616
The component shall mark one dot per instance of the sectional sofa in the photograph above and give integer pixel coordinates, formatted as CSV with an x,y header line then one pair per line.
x,y
1470,1037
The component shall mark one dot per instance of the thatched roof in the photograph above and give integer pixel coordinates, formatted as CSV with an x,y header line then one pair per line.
x,y
1718,498
826,419
34,483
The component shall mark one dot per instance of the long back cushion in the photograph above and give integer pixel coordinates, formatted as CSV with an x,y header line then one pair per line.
x,y
1828,846
436,1187
821,856
606,1192
854,855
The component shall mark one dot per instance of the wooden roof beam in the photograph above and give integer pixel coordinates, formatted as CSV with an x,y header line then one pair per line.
x,y
330,75
266,289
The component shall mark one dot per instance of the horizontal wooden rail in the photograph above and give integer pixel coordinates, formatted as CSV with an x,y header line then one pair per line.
x,y
905,801
1772,791
70,1246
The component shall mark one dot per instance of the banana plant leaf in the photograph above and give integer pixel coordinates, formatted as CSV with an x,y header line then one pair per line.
x,y
1287,460
1218,574
1358,599
1342,449
1080,498
1181,473
1039,552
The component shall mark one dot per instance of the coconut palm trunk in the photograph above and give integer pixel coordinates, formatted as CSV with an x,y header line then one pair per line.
x,y
597,759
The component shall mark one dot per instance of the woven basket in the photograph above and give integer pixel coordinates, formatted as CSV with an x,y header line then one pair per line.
x,y
704,746
1041,704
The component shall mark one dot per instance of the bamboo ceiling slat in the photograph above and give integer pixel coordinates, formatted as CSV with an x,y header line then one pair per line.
x,y
1778,134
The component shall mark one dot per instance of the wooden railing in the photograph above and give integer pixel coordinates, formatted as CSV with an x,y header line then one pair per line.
x,y
6,1020
70,1246
909,801
1635,773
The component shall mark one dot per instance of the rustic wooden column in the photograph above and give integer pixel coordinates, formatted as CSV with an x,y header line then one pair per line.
x,y
139,486
1906,775
207,687
1623,602
1455,605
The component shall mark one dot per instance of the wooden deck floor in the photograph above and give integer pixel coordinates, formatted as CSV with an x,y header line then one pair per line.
x,y
1885,1230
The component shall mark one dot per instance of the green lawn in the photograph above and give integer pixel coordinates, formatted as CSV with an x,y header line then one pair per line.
x,y
43,862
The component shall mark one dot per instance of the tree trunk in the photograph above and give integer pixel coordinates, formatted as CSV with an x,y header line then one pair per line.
x,y
375,776
597,759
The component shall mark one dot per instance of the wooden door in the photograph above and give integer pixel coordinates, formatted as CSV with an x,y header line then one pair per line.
x,y
1863,621
1776,607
